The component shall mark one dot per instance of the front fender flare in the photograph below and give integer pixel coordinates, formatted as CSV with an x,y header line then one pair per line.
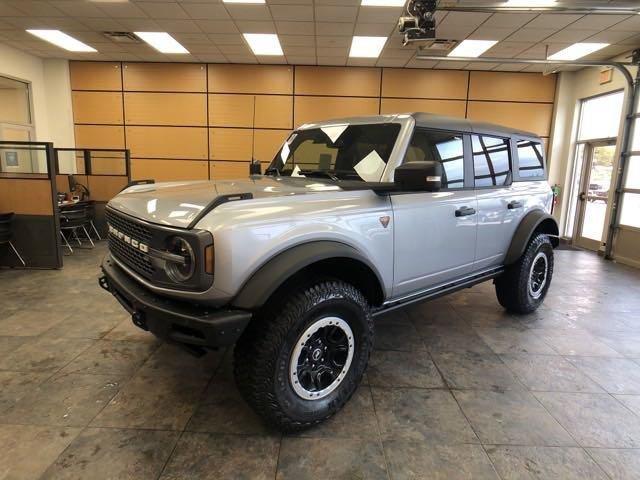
x,y
531,222
272,274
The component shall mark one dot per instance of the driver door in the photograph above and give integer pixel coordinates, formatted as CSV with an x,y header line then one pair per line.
x,y
435,232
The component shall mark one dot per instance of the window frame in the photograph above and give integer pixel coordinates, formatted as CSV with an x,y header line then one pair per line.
x,y
510,152
465,156
516,160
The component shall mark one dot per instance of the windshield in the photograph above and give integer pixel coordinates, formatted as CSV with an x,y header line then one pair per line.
x,y
337,152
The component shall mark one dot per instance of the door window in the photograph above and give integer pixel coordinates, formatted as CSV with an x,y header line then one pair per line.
x,y
491,161
443,147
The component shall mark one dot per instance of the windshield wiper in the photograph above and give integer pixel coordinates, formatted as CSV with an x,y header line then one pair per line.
x,y
319,173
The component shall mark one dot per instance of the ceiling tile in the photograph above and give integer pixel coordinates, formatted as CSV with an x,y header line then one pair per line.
x,y
165,10
510,67
504,20
452,32
481,66
333,51
297,40
251,26
61,23
34,8
464,19
213,58
139,24
121,10
77,9
292,12
425,64
362,62
507,49
295,28
531,34
299,51
102,24
630,25
379,15
235,49
333,41
632,41
610,36
205,11
547,20
271,60
334,28
334,61
491,33
597,22
216,26
306,60
227,39
336,14
570,36
201,49
241,58
391,62
248,12
192,38
7,10
374,29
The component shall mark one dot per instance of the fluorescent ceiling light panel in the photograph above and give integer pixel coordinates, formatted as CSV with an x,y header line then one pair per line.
x,y
472,48
162,41
264,43
62,40
367,47
577,50
383,3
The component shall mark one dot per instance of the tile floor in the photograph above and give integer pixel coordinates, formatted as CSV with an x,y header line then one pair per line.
x,y
456,388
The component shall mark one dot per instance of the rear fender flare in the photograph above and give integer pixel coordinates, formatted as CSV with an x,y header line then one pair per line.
x,y
536,220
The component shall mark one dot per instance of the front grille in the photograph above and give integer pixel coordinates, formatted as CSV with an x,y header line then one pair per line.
x,y
133,258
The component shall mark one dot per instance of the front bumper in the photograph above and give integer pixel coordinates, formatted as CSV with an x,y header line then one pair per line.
x,y
171,320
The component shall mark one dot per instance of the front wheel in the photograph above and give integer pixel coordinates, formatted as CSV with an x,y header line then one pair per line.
x,y
523,286
301,360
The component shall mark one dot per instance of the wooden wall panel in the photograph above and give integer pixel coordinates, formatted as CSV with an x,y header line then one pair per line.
x,y
108,166
228,170
231,143
95,76
512,87
183,109
451,108
269,79
532,117
343,81
416,83
105,188
167,142
266,144
313,109
26,197
97,107
167,170
165,77
231,110
99,136
274,111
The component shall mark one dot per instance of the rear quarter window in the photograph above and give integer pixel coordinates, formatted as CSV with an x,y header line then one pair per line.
x,y
530,160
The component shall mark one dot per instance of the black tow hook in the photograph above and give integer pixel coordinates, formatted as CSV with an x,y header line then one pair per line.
x,y
104,283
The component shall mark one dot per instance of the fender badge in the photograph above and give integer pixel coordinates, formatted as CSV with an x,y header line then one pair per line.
x,y
385,220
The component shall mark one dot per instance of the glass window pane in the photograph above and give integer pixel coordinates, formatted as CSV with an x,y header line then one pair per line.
x,y
635,144
530,160
630,214
633,173
600,116
443,147
14,101
491,160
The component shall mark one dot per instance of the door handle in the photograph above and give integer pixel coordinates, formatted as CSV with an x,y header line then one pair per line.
x,y
583,196
465,211
514,204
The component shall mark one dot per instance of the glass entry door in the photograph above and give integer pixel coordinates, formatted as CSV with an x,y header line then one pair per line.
x,y
593,197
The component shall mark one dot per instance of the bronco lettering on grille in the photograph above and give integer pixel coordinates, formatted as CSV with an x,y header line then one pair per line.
x,y
143,247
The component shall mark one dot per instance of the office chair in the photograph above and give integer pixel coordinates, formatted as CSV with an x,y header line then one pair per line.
x,y
73,220
91,216
6,234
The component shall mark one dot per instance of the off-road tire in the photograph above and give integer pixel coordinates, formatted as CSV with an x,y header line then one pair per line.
x,y
262,355
512,287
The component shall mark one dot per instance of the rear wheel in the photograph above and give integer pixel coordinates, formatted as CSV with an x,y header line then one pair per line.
x,y
524,284
301,360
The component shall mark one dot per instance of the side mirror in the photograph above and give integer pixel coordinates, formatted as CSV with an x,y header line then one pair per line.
x,y
419,176
255,168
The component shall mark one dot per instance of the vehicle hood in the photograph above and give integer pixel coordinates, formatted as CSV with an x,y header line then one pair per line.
x,y
178,204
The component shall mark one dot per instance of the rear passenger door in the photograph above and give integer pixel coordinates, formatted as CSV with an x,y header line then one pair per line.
x,y
501,202
435,232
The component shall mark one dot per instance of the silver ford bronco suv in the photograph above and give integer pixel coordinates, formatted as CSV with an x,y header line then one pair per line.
x,y
353,218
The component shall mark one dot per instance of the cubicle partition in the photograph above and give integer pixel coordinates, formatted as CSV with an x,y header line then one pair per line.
x,y
102,171
28,188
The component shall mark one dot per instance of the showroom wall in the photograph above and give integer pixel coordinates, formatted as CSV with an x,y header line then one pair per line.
x,y
196,121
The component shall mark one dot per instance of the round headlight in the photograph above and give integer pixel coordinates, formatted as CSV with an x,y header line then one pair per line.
x,y
180,271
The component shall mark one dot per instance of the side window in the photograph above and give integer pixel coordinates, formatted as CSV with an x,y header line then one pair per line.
x,y
443,147
530,160
491,161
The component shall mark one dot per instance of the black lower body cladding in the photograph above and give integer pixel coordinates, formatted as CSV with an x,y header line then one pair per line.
x,y
174,321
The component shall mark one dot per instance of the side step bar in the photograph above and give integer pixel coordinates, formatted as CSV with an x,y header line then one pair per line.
x,y
438,291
